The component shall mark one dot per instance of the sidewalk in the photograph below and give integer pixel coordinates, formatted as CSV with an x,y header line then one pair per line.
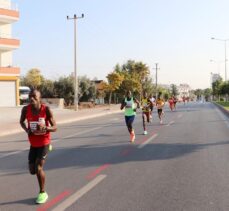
x,y
10,116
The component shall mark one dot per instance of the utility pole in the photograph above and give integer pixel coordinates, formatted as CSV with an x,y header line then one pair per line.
x,y
156,76
76,100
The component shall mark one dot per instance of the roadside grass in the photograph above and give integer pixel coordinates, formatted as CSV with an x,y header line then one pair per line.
x,y
224,104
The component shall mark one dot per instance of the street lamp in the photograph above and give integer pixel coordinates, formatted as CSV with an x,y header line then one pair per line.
x,y
225,50
75,66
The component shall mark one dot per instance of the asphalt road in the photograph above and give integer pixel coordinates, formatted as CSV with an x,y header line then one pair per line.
x,y
180,165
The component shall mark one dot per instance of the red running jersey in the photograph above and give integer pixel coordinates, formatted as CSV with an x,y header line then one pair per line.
x,y
32,120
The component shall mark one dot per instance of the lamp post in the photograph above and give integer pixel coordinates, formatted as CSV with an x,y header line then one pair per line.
x,y
75,64
211,79
225,51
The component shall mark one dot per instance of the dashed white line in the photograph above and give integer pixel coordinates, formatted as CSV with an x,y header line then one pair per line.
x,y
13,153
170,123
147,141
54,140
77,195
81,132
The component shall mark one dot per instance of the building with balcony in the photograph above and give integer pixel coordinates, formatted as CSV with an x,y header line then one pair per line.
x,y
9,74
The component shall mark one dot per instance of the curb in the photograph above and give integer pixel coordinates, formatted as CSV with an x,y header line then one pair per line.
x,y
64,121
225,111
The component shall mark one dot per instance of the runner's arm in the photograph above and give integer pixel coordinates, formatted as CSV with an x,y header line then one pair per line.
x,y
149,102
137,102
123,104
51,120
22,120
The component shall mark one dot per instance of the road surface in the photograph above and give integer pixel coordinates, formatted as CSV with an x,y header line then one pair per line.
x,y
180,165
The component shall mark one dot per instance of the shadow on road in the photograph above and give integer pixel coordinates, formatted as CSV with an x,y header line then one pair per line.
x,y
96,155
29,201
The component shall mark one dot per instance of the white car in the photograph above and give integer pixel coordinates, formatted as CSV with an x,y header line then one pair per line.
x,y
24,94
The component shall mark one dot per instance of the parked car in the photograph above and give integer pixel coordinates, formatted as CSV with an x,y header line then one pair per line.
x,y
24,94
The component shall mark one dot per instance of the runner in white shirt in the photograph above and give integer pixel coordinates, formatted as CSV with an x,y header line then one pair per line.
x,y
153,102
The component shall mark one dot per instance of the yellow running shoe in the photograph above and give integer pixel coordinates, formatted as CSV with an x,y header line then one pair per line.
x,y
50,147
42,198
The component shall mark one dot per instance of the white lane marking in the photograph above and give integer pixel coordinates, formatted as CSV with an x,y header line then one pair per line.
x,y
13,153
81,132
55,140
116,119
147,141
223,117
77,195
170,123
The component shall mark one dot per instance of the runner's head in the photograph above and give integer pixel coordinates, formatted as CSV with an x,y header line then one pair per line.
x,y
159,95
145,94
35,97
128,93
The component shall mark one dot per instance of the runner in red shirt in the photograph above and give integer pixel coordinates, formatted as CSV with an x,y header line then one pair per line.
x,y
40,123
171,104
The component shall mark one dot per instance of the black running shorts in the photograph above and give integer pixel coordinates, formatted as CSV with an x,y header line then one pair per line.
x,y
38,153
159,111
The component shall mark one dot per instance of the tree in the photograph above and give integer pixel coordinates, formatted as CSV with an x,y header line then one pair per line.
x,y
216,87
47,88
198,93
87,89
165,92
135,78
101,93
138,72
148,85
114,81
64,88
207,93
174,90
224,89
33,78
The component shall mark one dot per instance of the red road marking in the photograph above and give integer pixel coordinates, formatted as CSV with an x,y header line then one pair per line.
x,y
98,170
54,201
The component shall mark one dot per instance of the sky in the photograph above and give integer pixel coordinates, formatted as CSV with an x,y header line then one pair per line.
x,y
176,34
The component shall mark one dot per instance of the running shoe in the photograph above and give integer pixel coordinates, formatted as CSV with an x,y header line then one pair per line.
x,y
42,198
145,132
50,147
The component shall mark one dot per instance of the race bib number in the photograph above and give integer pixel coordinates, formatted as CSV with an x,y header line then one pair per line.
x,y
128,104
33,126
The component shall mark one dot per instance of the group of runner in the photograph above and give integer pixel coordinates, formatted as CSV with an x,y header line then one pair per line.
x,y
147,105
37,120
